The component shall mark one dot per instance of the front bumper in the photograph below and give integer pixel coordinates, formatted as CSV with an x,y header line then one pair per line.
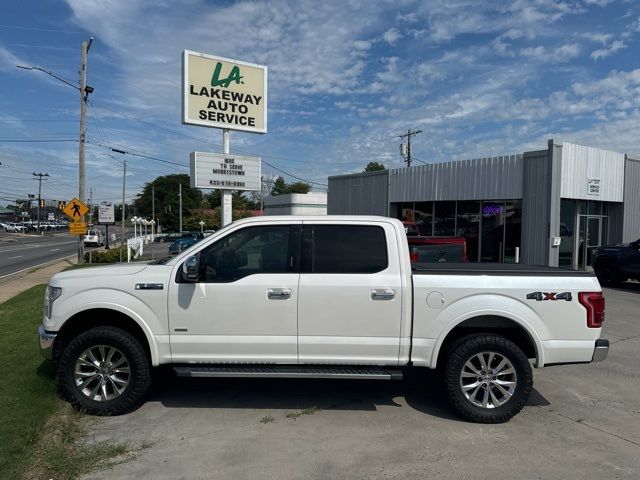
x,y
46,340
601,350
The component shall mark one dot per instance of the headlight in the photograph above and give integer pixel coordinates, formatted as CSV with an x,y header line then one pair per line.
x,y
52,294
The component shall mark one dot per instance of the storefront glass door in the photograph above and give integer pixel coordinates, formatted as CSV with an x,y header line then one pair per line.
x,y
589,238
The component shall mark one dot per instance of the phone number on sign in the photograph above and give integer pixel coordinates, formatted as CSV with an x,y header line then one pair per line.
x,y
226,183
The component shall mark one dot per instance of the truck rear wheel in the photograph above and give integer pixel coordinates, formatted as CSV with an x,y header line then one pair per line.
x,y
488,378
104,371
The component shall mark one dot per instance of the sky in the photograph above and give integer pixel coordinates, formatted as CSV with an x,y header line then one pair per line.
x,y
346,78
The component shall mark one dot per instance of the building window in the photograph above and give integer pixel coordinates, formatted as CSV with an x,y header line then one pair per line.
x,y
493,214
423,215
513,224
468,226
444,219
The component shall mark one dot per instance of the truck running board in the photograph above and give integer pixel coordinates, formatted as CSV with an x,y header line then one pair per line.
x,y
284,371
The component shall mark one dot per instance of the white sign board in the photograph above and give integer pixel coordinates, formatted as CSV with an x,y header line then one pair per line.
x,y
51,216
223,93
106,214
225,172
593,187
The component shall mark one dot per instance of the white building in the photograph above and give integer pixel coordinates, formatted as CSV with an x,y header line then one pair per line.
x,y
312,203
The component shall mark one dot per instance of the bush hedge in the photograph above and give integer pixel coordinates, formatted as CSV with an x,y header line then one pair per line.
x,y
107,256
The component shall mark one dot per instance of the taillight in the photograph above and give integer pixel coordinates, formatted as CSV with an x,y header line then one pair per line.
x,y
594,303
413,256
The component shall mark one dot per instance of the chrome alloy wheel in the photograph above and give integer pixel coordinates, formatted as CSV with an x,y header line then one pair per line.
x,y
102,373
488,379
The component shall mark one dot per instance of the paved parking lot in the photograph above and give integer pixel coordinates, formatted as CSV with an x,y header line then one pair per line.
x,y
583,422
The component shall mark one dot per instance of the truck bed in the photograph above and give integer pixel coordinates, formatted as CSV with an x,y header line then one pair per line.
x,y
499,269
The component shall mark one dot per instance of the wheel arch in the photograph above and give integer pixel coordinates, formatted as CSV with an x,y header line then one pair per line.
x,y
105,317
511,328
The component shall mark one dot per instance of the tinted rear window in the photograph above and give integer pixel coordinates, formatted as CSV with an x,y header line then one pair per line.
x,y
344,249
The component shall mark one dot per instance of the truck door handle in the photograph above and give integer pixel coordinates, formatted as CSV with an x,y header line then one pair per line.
x,y
383,294
278,293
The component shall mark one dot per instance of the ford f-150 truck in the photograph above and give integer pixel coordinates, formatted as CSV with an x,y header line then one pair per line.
x,y
324,297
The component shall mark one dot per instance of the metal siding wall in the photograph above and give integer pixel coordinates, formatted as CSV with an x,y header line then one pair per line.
x,y
365,194
616,222
579,163
631,216
493,178
536,195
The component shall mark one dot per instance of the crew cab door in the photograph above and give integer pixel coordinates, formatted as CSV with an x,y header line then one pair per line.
x,y
243,308
350,294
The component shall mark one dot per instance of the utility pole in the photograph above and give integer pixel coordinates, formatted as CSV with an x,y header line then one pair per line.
x,y
39,177
153,203
84,93
180,207
124,182
408,135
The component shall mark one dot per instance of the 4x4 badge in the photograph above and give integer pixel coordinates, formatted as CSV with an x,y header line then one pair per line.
x,y
542,296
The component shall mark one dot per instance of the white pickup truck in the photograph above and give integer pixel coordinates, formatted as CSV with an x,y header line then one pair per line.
x,y
323,297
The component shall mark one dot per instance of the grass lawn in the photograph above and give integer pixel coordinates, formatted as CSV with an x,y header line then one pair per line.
x,y
27,388
29,401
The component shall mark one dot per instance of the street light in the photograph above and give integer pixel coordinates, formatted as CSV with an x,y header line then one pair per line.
x,y
201,223
134,220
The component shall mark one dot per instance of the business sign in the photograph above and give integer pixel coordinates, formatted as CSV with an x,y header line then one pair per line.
x,y
593,186
106,214
223,93
224,172
51,216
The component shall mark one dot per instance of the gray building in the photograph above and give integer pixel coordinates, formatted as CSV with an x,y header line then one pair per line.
x,y
547,207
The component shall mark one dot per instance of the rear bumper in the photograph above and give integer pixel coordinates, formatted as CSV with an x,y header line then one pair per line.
x,y
601,350
46,340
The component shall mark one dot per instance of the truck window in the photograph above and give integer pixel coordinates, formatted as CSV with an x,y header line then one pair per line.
x,y
248,251
343,249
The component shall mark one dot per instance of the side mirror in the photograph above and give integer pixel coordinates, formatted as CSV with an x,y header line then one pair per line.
x,y
190,269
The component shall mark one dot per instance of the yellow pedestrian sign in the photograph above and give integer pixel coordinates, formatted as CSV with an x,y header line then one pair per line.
x,y
75,210
78,228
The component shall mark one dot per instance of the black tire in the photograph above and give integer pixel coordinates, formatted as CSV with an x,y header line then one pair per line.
x,y
139,377
608,273
463,352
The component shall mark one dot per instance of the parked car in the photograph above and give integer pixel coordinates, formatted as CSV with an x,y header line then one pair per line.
x,y
15,227
617,263
169,237
182,244
437,249
159,237
93,238
323,297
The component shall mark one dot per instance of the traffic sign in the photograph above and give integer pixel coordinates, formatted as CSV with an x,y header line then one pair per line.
x,y
75,209
78,228
106,215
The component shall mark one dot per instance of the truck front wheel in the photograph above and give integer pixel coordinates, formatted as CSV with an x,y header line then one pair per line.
x,y
104,371
488,378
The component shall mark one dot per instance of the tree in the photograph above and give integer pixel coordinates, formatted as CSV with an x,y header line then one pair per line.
x,y
238,199
166,200
280,187
374,167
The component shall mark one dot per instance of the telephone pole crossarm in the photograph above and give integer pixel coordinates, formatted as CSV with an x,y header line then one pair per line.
x,y
410,133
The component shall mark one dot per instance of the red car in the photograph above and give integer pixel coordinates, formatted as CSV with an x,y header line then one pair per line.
x,y
437,249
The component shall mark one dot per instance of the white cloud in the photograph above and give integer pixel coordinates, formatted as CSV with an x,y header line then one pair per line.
x,y
612,48
392,36
562,54
602,38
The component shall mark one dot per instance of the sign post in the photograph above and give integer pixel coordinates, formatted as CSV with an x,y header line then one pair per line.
x,y
222,93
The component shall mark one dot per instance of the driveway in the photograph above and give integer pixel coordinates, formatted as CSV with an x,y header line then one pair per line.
x,y
583,422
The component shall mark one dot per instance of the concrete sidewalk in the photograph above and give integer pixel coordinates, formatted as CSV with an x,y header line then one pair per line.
x,y
15,284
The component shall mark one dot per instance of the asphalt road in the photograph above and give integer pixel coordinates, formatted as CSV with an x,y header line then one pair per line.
x,y
19,252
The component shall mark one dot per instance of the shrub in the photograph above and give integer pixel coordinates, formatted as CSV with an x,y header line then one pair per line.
x,y
107,256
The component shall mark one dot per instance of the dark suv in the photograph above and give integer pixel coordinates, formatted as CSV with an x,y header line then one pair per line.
x,y
617,263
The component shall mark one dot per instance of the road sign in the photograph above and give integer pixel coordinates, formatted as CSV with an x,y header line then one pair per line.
x,y
78,228
106,214
75,209
51,216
